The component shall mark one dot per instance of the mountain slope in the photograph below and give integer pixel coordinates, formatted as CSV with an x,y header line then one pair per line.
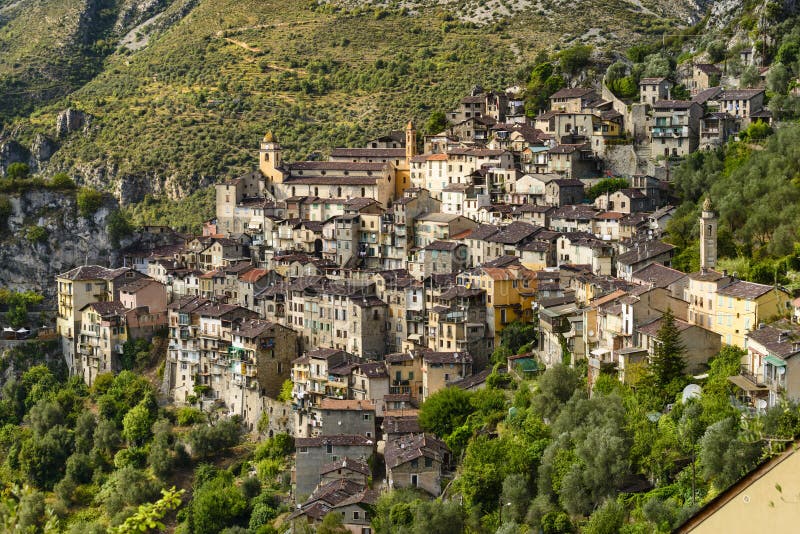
x,y
185,101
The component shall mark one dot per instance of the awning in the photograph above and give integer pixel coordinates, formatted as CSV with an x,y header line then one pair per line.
x,y
774,361
744,384
25,331
600,351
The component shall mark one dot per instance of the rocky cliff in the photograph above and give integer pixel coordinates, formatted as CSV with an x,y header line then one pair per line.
x,y
30,261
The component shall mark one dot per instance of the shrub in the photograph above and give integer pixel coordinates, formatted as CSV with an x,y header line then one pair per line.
x,y
189,416
61,181
17,171
89,201
36,234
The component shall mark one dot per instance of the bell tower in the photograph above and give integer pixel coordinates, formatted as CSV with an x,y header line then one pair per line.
x,y
708,236
411,142
269,158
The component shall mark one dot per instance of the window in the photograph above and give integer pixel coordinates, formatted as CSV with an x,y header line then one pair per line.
x,y
303,450
414,463
88,287
356,514
428,462
366,417
329,448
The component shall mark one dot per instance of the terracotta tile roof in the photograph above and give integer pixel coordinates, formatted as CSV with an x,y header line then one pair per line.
x,y
253,275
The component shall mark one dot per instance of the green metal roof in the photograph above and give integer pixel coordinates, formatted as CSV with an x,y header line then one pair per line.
x,y
775,361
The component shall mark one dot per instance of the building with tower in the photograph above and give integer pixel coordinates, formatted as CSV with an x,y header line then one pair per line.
x,y
708,236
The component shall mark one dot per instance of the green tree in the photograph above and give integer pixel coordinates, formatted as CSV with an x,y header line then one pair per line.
x,y
668,363
6,209
332,524
36,234
118,226
285,394
136,425
778,78
680,92
615,71
607,519
61,181
217,504
575,58
148,517
89,201
556,386
445,410
18,171
606,185
208,440
657,66
516,334
750,77
436,123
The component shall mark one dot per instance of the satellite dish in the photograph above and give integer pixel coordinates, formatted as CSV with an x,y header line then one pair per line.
x,y
761,404
692,391
781,371
591,333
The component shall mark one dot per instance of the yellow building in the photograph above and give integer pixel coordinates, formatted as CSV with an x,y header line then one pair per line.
x,y
78,287
731,307
102,334
509,294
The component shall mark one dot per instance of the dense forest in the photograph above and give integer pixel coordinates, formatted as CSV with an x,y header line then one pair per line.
x,y
539,454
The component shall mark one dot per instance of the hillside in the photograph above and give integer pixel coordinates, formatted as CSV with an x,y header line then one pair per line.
x,y
187,94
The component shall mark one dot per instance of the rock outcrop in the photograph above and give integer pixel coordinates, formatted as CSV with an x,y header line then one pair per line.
x,y
71,120
70,239
41,150
12,152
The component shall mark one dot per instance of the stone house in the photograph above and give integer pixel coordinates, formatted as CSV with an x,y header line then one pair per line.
x,y
314,453
651,90
416,461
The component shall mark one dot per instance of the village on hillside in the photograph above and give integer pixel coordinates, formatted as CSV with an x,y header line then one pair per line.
x,y
329,299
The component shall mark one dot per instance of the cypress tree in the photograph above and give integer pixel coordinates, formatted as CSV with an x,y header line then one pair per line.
x,y
668,361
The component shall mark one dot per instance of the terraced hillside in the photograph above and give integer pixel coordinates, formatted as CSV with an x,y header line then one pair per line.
x,y
193,85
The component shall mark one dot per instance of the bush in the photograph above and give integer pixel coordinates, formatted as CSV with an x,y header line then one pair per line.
x,y
18,171
36,234
209,440
61,181
6,209
118,227
281,446
190,416
89,201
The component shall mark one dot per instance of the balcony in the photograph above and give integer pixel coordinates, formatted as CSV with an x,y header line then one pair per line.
x,y
674,132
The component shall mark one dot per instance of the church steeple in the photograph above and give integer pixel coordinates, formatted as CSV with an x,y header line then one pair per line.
x,y
708,236
269,157
411,142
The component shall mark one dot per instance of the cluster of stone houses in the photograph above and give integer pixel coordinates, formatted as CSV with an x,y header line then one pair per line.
x,y
378,277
